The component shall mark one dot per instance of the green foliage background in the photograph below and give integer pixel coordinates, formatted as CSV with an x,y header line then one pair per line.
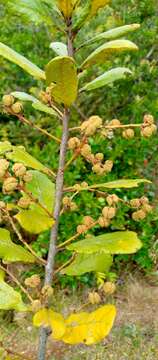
x,y
127,100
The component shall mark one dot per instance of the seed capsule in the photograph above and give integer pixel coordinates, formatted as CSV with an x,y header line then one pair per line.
x,y
19,169
108,166
139,215
115,122
148,119
36,306
2,205
24,203
99,156
27,177
109,212
109,288
88,221
94,298
33,281
74,143
8,100
103,222
17,107
9,185
4,165
112,199
86,150
135,203
128,134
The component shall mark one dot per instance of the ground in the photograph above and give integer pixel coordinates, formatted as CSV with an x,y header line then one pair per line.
x,y
134,336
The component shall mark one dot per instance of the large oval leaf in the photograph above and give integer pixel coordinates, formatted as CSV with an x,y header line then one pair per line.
x,y
112,34
59,48
98,262
107,78
11,252
5,146
61,72
122,183
19,154
42,189
9,298
89,328
103,52
119,242
35,220
20,60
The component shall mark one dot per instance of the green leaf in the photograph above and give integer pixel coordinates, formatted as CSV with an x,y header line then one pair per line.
x,y
44,108
88,11
38,11
59,48
112,34
35,220
61,72
107,78
104,51
11,252
9,298
42,188
122,183
120,242
22,96
19,154
5,146
98,262
36,104
20,60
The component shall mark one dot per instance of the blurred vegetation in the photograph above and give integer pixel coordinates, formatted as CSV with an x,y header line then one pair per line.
x,y
127,100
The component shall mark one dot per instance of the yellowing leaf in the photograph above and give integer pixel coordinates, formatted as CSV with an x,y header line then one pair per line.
x,y
66,7
56,321
83,327
9,298
104,51
98,262
122,183
11,252
119,242
34,220
61,72
96,5
89,328
20,60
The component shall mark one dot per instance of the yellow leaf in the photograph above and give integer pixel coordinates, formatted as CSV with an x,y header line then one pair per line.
x,y
89,328
96,5
45,317
67,7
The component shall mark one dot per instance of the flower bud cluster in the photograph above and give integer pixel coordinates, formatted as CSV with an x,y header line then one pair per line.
x,y
11,180
148,128
69,204
74,143
90,126
94,298
128,134
108,213
143,208
33,281
109,288
99,167
9,101
87,223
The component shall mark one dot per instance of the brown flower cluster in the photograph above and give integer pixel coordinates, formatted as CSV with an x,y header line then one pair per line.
x,y
142,206
11,179
15,106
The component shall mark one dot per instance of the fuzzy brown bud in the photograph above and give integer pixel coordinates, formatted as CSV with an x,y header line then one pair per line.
x,y
109,288
147,131
66,201
17,107
97,169
81,229
147,208
112,199
33,281
9,185
8,100
24,203
99,156
47,291
86,150
4,165
27,177
88,221
135,203
103,222
19,169
128,134
94,298
115,122
2,205
108,166
109,212
36,306
144,200
84,184
138,215
90,126
148,119
74,143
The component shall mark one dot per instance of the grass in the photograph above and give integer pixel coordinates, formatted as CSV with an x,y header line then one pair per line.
x,y
134,336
